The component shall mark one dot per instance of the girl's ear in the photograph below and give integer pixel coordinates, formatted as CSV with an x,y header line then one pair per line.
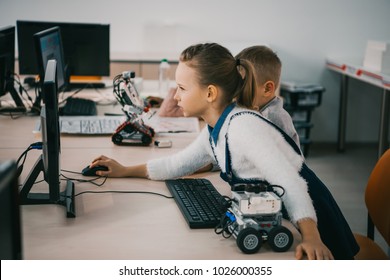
x,y
212,93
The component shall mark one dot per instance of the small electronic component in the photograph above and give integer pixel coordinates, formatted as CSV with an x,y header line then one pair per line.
x,y
164,143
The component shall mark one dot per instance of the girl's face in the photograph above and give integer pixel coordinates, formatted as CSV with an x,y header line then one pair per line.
x,y
190,95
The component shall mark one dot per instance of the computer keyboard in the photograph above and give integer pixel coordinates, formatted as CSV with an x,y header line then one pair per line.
x,y
79,107
92,125
200,203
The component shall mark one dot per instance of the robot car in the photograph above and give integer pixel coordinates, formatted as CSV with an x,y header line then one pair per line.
x,y
255,216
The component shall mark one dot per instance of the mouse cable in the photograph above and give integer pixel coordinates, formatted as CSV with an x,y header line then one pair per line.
x,y
84,180
92,181
105,178
128,192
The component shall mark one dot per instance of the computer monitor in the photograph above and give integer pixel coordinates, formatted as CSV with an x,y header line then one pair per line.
x,y
10,229
49,161
86,47
7,68
48,45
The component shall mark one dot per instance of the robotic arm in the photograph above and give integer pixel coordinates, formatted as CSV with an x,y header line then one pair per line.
x,y
133,131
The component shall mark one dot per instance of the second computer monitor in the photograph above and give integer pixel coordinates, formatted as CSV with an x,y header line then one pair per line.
x,y
48,45
7,56
86,47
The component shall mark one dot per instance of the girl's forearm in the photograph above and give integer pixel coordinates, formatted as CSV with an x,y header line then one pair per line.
x,y
139,171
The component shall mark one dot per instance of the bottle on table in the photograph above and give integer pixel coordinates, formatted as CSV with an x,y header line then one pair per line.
x,y
163,78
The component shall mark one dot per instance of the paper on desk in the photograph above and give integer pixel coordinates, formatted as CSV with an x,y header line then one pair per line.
x,y
173,124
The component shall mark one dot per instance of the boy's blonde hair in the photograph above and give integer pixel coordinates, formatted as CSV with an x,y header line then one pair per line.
x,y
266,63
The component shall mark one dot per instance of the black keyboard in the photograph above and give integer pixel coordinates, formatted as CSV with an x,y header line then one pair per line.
x,y
79,107
200,203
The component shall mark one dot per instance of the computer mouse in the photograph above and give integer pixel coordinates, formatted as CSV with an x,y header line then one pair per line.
x,y
91,171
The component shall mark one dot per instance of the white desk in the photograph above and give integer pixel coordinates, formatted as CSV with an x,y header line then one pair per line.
x,y
112,225
356,71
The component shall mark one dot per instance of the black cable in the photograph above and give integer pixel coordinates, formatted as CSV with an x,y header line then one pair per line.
x,y
21,87
71,95
33,146
128,192
105,178
88,181
278,187
36,182
69,171
13,115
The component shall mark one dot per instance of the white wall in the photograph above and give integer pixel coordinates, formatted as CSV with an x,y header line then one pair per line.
x,y
303,32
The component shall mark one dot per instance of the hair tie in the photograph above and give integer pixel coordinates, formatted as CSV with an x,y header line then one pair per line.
x,y
238,62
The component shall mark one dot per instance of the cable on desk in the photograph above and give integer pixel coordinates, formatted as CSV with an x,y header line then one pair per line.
x,y
127,192
21,88
92,181
105,178
13,115
226,220
71,95
33,146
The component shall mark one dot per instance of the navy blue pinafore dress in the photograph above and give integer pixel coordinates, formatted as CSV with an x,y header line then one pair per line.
x,y
333,228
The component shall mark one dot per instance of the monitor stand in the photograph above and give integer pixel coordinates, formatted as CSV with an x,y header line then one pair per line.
x,y
67,197
9,87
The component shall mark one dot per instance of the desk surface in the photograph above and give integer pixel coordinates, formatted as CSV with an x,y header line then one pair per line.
x,y
115,225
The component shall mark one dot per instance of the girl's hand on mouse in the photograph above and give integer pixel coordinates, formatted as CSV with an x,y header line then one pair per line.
x,y
115,169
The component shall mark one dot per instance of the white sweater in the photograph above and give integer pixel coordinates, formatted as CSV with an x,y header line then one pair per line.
x,y
258,151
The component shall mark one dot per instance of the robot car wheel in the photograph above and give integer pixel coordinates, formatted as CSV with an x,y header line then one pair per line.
x,y
280,239
117,138
249,240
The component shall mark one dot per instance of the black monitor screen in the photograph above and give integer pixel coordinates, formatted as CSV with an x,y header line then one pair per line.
x,y
10,229
49,46
7,56
86,47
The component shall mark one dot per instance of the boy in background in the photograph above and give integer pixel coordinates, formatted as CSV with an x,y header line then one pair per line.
x,y
268,67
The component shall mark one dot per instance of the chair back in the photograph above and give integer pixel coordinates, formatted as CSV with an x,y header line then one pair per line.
x,y
377,196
